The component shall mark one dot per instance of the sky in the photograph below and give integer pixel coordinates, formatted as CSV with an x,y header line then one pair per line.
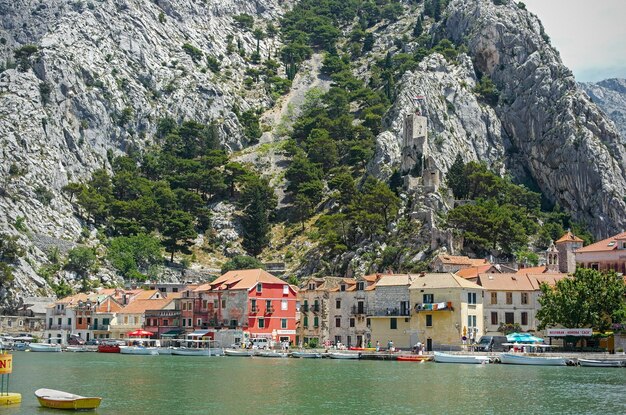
x,y
589,34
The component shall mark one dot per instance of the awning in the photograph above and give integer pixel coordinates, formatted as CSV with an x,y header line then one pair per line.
x,y
198,333
140,333
172,333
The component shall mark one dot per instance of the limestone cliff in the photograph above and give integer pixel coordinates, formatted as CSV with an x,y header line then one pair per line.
x,y
610,96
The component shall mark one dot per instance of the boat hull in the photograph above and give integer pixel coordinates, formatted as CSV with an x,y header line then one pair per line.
x,y
466,359
601,363
44,347
76,349
62,400
190,352
344,355
419,358
239,353
273,354
306,355
512,359
144,351
108,348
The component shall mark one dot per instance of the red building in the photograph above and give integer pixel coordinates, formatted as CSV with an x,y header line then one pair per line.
x,y
255,301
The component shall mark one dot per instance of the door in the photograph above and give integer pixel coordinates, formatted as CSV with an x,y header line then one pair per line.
x,y
359,341
429,345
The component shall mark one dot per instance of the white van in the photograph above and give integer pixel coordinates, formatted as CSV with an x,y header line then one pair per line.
x,y
260,343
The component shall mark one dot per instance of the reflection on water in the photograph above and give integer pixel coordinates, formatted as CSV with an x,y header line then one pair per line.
x,y
240,385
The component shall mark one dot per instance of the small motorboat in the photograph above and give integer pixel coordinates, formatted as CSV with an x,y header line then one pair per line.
x,y
76,349
239,352
139,350
414,358
190,351
601,363
44,347
306,355
344,355
108,348
362,349
460,358
272,353
516,359
165,350
51,398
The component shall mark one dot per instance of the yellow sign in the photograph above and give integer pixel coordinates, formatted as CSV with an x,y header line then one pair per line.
x,y
6,363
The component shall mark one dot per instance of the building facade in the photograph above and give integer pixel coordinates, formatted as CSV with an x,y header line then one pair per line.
x,y
606,255
391,312
315,310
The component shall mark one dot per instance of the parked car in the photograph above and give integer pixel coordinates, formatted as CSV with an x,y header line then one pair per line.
x,y
76,340
492,344
92,342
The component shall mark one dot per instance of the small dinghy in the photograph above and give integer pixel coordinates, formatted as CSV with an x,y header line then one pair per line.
x,y
414,358
306,355
50,398
600,363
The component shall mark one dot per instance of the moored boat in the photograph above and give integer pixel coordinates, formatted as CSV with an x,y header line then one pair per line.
x,y
108,348
165,350
601,363
414,358
362,349
190,351
44,347
344,355
306,355
139,350
239,352
460,358
76,349
516,359
51,398
272,353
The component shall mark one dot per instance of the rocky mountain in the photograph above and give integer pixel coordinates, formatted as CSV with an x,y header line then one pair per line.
x,y
610,96
101,73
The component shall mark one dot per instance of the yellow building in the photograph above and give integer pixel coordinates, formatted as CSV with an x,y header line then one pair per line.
x,y
391,312
445,308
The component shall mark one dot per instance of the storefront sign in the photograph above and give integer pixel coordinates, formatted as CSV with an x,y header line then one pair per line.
x,y
6,363
279,332
570,332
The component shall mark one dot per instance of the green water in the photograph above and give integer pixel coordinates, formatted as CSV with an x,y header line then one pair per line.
x,y
239,385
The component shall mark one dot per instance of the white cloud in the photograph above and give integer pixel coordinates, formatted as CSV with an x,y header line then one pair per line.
x,y
589,35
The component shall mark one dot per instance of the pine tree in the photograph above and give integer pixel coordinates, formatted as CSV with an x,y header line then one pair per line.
x,y
256,225
456,178
418,29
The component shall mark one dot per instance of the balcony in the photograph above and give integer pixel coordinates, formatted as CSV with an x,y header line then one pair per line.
x,y
304,308
269,310
392,312
315,308
254,309
356,310
444,306
99,327
59,327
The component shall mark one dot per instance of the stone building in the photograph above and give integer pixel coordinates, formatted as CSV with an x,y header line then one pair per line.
x,y
315,309
453,263
605,255
391,311
567,245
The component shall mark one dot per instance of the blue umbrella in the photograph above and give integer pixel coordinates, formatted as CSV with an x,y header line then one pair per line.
x,y
523,338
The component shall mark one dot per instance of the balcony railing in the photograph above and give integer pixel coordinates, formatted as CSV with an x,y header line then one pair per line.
x,y
269,310
59,327
315,308
434,306
392,312
101,327
356,310
254,309
304,308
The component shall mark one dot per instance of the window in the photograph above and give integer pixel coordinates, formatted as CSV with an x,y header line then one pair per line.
x,y
306,322
509,298
89,320
509,318
80,320
338,304
429,298
215,303
285,289
69,321
189,322
471,298
524,298
198,322
524,318
429,320
223,303
283,323
283,305
351,322
125,319
60,321
268,304
233,324
393,323
175,289
204,304
311,286
261,323
166,322
471,321
20,323
360,308
337,339
316,321
253,304
259,287
494,298
360,286
184,306
184,322
343,287
494,318
338,322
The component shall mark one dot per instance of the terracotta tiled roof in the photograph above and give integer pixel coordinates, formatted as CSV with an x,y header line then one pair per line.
x,y
532,270
145,295
472,272
244,279
604,245
461,260
109,305
140,306
548,278
506,282
394,279
569,237
441,280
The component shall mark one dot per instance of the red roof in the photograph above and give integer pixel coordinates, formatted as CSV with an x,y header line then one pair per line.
x,y
569,237
244,279
472,272
605,245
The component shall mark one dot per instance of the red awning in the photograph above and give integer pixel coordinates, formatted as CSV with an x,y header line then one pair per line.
x,y
140,333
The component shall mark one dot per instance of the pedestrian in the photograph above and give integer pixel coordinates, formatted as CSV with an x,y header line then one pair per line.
x,y
377,346
369,344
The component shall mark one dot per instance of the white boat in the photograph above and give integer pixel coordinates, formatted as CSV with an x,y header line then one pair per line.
x,y
76,349
50,398
165,350
516,359
239,352
190,351
344,355
460,358
216,351
139,350
306,355
601,363
272,353
44,347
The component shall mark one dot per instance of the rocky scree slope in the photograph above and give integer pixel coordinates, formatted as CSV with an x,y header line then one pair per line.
x,y
102,75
